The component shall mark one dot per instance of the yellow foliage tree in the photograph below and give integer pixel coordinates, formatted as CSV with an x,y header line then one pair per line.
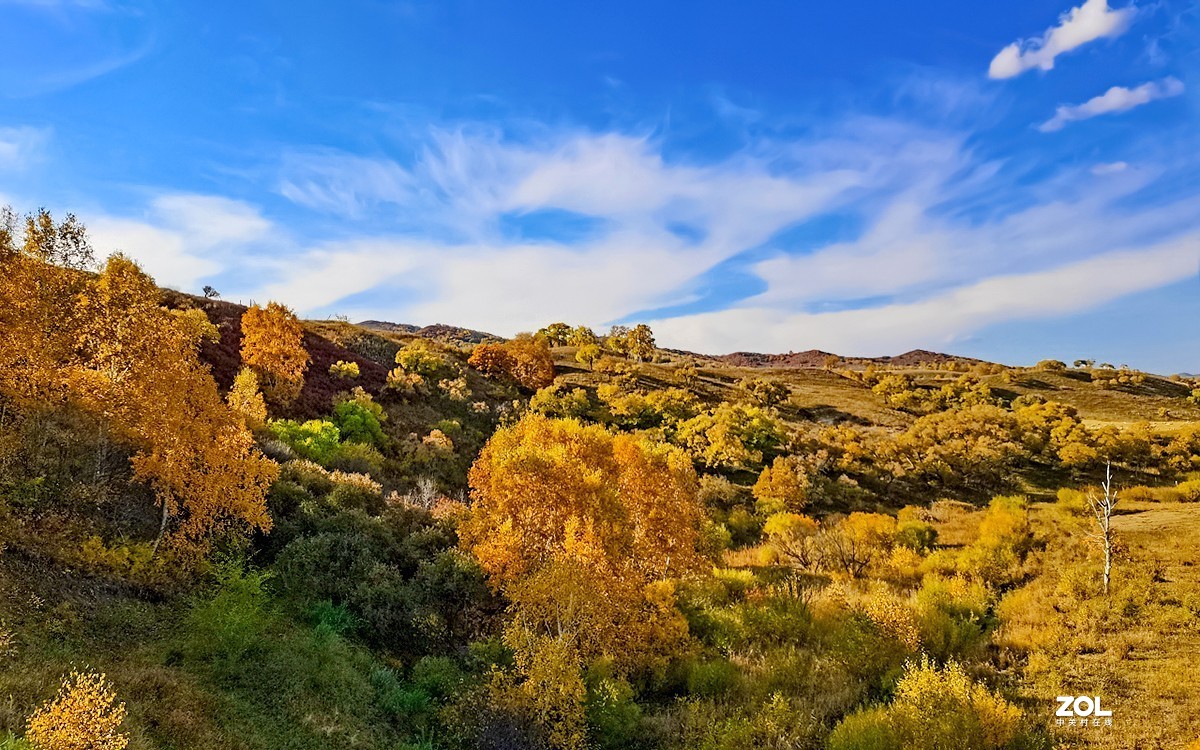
x,y
273,345
580,527
639,342
84,716
794,538
542,483
246,400
944,707
41,279
343,369
105,344
859,540
587,354
584,531
782,487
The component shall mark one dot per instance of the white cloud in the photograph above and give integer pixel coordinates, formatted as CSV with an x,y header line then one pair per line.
x,y
465,181
343,183
1116,99
941,319
921,244
209,220
161,252
911,248
1090,21
183,238
21,146
944,248
1112,167
501,288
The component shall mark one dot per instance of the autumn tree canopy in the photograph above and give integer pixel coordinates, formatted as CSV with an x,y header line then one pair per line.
x,y
636,342
104,344
525,359
557,500
273,345
548,488
85,714
584,531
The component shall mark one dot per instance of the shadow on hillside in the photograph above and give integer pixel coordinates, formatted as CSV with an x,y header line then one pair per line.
x,y
826,414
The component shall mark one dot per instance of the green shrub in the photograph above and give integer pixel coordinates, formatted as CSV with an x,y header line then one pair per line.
x,y
309,475
285,498
871,657
317,440
359,419
777,723
333,619
913,531
556,401
404,703
953,616
614,719
998,553
744,527
356,496
712,678
356,458
438,676
777,620
225,631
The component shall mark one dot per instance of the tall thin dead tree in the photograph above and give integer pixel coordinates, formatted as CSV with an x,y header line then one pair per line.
x,y
1102,506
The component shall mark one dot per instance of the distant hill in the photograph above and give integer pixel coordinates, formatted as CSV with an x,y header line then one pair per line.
x,y
435,331
810,358
817,358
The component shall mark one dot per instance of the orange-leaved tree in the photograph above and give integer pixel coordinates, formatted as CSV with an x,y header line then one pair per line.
x,y
43,269
525,359
548,488
273,345
585,532
104,344
782,487
142,368
531,366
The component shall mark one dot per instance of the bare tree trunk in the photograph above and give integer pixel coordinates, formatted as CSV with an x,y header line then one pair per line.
x,y
162,530
1107,565
1102,507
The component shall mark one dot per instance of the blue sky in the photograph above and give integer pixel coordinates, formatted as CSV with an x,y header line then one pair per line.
x,y
1006,180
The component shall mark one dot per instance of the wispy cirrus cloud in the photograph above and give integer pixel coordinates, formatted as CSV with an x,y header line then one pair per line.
x,y
343,184
946,318
925,267
922,249
1091,21
20,146
1116,99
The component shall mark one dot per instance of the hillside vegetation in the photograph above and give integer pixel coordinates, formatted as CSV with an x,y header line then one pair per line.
x,y
225,527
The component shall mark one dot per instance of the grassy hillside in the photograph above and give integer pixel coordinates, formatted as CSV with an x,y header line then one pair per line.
x,y
475,543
